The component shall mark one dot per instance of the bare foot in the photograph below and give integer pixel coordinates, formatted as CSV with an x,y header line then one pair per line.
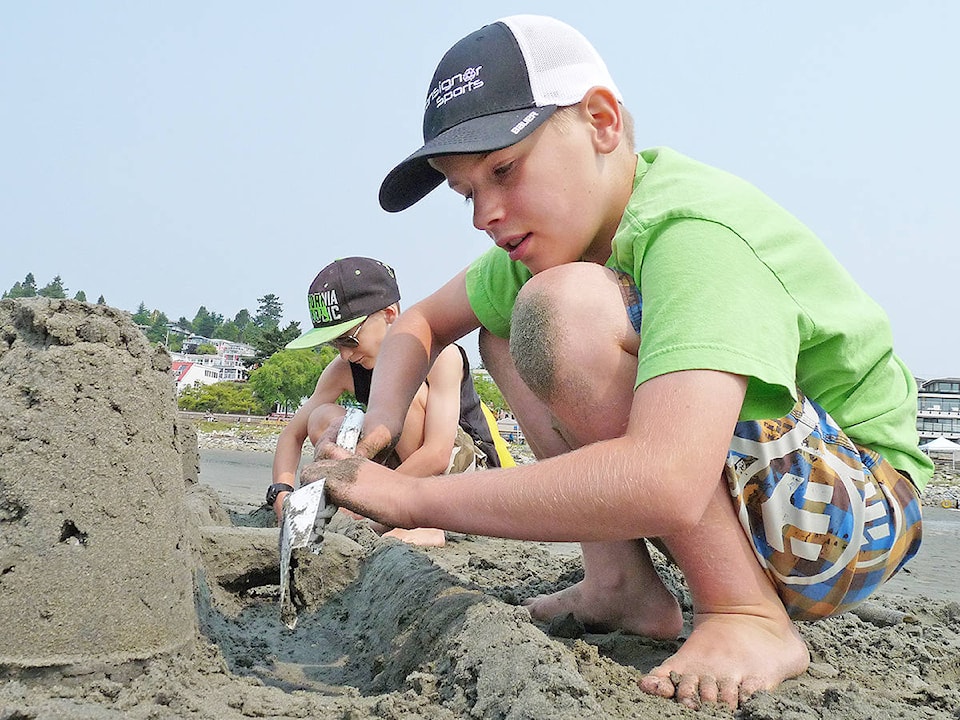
x,y
728,658
422,537
652,612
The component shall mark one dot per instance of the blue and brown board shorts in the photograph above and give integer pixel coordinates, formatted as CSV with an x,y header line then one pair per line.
x,y
829,521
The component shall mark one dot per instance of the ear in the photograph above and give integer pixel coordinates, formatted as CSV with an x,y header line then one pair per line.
x,y
390,313
605,117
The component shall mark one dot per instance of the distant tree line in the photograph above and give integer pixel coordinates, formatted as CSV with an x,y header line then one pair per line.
x,y
283,380
53,289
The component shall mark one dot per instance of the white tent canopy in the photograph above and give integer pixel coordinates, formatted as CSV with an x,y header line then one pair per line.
x,y
940,444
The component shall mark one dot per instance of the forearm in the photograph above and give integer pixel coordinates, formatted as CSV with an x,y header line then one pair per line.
x,y
286,460
402,365
581,496
407,354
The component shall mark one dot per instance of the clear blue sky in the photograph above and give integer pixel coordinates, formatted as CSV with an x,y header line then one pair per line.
x,y
188,153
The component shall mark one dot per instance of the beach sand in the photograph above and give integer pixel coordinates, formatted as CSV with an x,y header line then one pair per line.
x,y
392,631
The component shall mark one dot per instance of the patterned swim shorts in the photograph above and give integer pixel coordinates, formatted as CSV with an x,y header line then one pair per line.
x,y
466,455
829,521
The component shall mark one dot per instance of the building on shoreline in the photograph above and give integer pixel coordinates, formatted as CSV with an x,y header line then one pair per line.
x,y
227,364
938,409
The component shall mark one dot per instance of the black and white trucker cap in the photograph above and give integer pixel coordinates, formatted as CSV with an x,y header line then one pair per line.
x,y
491,90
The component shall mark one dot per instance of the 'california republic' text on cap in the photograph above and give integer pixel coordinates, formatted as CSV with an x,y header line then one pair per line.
x,y
343,294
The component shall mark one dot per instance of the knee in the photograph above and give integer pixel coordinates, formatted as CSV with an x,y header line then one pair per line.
x,y
558,312
321,418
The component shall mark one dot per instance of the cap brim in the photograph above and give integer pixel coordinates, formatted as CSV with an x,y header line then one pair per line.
x,y
318,336
413,179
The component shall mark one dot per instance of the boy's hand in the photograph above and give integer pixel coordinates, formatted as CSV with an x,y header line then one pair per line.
x,y
344,486
327,449
376,443
330,469
278,506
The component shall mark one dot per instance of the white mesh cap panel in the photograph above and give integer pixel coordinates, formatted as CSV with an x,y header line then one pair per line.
x,y
561,62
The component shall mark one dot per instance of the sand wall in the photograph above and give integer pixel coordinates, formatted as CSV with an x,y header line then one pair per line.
x,y
93,563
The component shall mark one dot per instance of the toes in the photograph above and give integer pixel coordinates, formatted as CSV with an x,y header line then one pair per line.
x,y
709,689
688,691
656,685
693,691
538,609
729,693
749,687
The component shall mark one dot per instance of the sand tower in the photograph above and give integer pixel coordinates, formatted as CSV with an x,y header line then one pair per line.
x,y
93,565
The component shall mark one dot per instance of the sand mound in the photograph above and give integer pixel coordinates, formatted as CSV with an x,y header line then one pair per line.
x,y
93,565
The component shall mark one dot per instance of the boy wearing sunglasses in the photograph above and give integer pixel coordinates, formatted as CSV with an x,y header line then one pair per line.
x,y
353,303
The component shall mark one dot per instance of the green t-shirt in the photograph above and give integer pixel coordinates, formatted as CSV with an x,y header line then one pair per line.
x,y
730,281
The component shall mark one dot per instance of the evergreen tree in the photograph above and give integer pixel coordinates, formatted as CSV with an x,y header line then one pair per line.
x,y
250,334
270,311
101,300
28,288
81,296
200,320
53,289
242,319
271,341
158,331
142,315
205,323
29,285
229,331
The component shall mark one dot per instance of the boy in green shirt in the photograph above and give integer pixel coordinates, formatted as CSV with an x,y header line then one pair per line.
x,y
763,430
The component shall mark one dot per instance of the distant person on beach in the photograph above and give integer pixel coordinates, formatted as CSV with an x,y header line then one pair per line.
x,y
763,431
353,303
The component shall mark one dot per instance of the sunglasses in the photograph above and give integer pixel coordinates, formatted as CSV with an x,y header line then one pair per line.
x,y
347,341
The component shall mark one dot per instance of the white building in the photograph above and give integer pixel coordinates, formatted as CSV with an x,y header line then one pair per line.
x,y
227,365
186,374
510,429
938,409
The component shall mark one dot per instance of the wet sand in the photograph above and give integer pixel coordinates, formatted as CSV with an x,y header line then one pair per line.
x,y
900,657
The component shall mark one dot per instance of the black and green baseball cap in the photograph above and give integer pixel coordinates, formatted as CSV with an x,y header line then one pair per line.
x,y
343,294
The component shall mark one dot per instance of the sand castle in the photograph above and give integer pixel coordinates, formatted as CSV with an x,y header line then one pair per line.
x,y
93,564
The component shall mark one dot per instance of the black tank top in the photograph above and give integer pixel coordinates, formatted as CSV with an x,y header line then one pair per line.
x,y
472,419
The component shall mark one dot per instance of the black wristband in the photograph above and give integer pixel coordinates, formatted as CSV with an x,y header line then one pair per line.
x,y
275,490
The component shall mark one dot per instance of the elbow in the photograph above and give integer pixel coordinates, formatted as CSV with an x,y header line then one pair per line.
x,y
686,501
682,518
435,460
